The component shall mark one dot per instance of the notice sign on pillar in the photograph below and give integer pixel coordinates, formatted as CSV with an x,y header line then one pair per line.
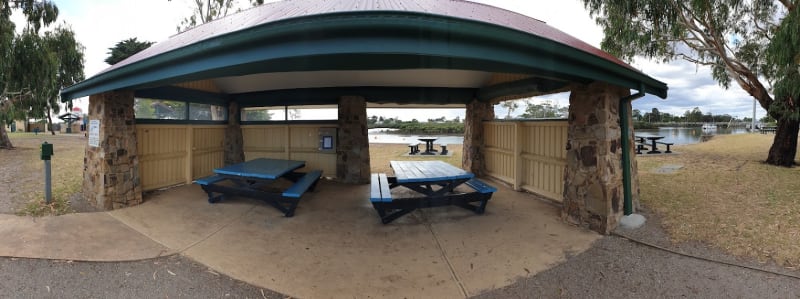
x,y
94,132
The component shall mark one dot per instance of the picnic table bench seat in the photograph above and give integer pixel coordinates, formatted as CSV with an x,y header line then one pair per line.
x,y
209,180
444,148
413,148
379,188
480,186
306,182
668,144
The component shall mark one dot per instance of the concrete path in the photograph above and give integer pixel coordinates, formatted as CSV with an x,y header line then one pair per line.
x,y
334,246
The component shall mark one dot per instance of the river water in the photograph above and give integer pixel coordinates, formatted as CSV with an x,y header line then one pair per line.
x,y
671,134
687,135
380,135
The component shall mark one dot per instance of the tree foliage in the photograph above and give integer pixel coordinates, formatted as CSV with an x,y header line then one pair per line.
x,y
510,107
544,110
204,11
731,37
125,49
34,66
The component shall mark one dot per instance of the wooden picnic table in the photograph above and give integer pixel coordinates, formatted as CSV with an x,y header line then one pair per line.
x,y
434,181
252,179
653,140
429,150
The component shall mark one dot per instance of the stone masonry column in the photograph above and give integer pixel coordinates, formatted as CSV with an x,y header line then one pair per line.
x,y
111,169
472,158
352,154
593,190
234,142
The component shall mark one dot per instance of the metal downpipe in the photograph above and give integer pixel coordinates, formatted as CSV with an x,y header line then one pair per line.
x,y
626,149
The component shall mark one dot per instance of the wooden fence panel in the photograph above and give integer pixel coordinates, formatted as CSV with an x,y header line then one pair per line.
x,y
529,155
296,142
208,150
265,141
163,155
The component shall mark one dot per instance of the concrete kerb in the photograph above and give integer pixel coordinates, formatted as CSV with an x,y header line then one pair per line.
x,y
76,237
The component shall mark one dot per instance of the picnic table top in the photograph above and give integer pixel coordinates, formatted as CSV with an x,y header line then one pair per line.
x,y
427,171
261,168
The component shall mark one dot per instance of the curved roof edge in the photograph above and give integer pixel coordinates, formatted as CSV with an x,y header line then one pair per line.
x,y
181,59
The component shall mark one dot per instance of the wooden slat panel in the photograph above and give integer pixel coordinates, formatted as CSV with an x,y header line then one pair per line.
x,y
163,154
207,149
543,155
270,141
264,141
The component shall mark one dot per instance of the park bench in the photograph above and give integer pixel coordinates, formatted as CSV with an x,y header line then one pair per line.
x,y
413,148
444,148
668,144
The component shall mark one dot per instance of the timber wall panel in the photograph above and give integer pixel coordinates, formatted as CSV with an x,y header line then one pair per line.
x,y
529,155
295,142
177,154
207,149
163,155
262,141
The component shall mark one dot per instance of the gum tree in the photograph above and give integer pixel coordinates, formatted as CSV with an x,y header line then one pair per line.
x,y
38,14
730,37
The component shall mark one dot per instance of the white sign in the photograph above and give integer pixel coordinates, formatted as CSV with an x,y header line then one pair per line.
x,y
94,132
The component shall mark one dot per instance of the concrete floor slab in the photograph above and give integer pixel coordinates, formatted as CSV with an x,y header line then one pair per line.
x,y
336,247
180,217
80,237
518,236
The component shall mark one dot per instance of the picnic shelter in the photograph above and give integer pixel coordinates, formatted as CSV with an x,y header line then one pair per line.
x,y
230,90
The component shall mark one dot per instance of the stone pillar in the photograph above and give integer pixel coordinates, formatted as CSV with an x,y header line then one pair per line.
x,y
352,153
111,170
234,142
472,158
593,190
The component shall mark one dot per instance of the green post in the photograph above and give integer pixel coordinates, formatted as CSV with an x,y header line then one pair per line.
x,y
626,150
46,152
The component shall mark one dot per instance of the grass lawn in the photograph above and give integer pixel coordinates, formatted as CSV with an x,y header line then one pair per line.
x,y
380,154
727,197
23,170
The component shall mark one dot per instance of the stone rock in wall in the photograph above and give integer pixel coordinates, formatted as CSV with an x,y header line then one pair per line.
x,y
593,178
472,159
352,163
111,170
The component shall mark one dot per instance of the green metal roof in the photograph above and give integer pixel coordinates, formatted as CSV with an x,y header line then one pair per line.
x,y
303,36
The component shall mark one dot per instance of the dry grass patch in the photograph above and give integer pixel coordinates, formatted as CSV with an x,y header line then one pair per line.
x,y
27,172
726,196
381,153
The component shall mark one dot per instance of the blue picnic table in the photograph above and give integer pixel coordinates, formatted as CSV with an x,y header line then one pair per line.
x,y
434,181
255,179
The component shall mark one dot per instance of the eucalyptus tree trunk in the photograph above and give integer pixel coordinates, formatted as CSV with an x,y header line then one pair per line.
x,y
5,142
784,147
50,122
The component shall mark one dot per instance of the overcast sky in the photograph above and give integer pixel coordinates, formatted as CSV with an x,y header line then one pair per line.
x,y
99,25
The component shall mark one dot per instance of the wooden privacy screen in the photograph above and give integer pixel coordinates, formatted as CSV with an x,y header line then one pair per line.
x,y
167,159
177,154
293,142
529,155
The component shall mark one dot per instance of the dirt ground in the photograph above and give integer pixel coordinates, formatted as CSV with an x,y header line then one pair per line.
x,y
22,178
